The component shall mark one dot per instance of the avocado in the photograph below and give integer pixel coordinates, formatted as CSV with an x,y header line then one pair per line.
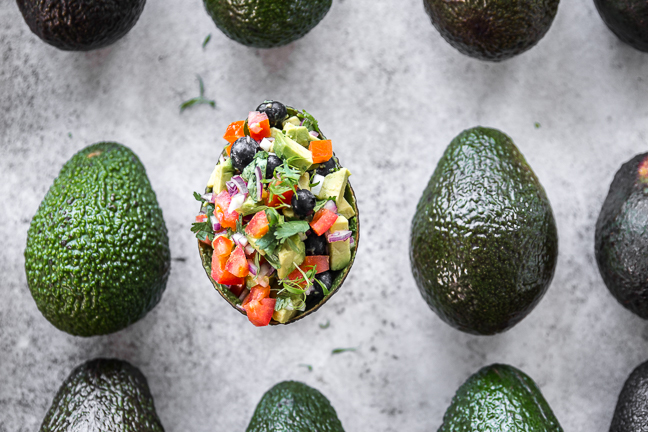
x,y
344,208
631,413
223,172
492,30
299,134
250,206
103,395
72,25
266,23
340,251
97,256
483,243
283,315
292,406
620,240
334,185
304,181
294,120
289,258
296,155
627,19
499,398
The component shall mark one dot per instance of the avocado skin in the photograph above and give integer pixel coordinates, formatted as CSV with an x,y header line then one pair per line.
x,y
492,30
103,395
266,23
295,407
97,256
80,25
628,19
621,242
483,245
499,398
631,413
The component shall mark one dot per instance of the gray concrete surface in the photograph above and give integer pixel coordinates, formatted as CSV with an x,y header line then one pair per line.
x,y
391,94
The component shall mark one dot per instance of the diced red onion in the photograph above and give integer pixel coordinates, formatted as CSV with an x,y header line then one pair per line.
x,y
259,183
231,188
240,239
330,206
265,144
314,133
244,294
253,269
209,197
216,226
315,190
249,250
351,241
337,236
241,184
236,202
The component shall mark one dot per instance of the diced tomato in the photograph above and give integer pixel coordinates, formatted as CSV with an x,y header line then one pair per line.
x,y
259,125
234,131
283,198
201,218
222,276
319,262
323,221
259,312
258,226
237,263
322,150
222,246
237,289
226,219
257,293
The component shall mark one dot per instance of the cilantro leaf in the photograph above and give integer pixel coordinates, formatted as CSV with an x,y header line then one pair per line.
x,y
200,100
206,41
341,350
307,366
289,229
310,122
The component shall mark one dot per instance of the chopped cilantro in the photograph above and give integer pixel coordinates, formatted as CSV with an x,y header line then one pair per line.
x,y
206,41
310,122
200,100
289,229
341,350
307,366
325,325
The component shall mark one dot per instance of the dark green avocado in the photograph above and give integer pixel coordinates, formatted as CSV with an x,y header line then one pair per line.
x,y
80,25
483,245
291,406
492,30
628,19
266,23
631,413
103,395
499,398
621,238
97,256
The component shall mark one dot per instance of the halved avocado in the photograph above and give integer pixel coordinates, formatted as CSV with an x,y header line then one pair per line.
x,y
354,225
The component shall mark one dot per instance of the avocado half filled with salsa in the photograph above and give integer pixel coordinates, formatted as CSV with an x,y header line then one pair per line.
x,y
278,224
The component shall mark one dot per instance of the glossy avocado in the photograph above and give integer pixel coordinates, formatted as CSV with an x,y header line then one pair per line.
x,y
103,395
492,30
621,238
499,398
97,256
291,406
483,243
631,413
80,25
628,19
266,23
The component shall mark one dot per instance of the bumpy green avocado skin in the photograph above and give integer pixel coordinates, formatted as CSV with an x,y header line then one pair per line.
x,y
621,238
628,19
631,413
266,23
499,398
292,406
97,256
80,25
103,395
492,30
483,245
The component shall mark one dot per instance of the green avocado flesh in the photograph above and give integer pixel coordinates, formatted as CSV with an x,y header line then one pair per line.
x,y
97,256
266,23
103,395
80,25
499,398
631,413
621,241
492,30
483,244
628,19
292,406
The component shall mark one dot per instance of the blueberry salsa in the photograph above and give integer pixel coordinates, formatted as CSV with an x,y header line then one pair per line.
x,y
278,223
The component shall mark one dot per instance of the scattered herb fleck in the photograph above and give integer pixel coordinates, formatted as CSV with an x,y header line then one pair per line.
x,y
70,134
341,350
537,125
207,39
325,325
307,366
200,100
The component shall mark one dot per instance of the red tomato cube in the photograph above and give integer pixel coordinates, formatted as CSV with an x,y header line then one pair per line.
x,y
259,125
323,221
237,263
258,226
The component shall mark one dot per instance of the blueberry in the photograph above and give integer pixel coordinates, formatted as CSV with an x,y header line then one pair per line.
x,y
243,151
316,245
273,163
326,167
276,112
303,202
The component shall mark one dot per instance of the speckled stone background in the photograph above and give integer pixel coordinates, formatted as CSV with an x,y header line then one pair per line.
x,y
391,93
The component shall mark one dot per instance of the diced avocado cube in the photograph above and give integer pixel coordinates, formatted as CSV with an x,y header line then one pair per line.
x,y
289,258
293,120
341,224
344,208
291,151
222,173
288,212
339,254
249,206
299,134
304,181
334,185
252,241
283,315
